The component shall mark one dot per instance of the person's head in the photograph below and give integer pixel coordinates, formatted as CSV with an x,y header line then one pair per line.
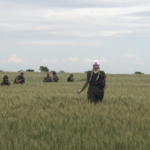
x,y
48,74
5,78
96,65
54,73
21,73
71,75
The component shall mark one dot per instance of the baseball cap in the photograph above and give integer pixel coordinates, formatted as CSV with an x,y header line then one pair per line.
x,y
96,62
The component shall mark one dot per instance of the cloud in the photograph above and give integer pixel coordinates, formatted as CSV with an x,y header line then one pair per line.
x,y
129,56
133,59
102,60
74,59
13,59
111,33
83,3
138,61
139,14
48,61
49,43
93,33
66,25
105,61
88,61
41,25
52,43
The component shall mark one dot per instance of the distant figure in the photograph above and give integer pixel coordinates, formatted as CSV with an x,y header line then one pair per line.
x,y
48,78
5,81
55,77
70,78
20,78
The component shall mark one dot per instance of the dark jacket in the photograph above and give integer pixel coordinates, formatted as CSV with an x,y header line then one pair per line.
x,y
20,78
48,79
55,78
70,79
5,83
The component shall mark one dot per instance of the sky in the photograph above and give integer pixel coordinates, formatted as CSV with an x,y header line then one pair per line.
x,y
69,34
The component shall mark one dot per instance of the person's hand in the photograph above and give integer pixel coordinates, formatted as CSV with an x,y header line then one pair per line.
x,y
78,92
104,89
18,81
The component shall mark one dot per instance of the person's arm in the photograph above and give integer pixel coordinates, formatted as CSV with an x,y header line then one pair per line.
x,y
72,79
52,79
18,81
84,86
105,84
57,79
23,80
44,79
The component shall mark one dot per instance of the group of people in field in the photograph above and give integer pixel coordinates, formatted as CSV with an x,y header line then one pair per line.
x,y
21,80
55,78
48,78
96,79
18,80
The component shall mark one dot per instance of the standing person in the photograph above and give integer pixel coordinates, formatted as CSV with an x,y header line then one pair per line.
x,y
5,81
48,78
55,77
70,78
20,78
97,84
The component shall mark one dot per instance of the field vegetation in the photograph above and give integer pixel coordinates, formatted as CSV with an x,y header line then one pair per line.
x,y
51,116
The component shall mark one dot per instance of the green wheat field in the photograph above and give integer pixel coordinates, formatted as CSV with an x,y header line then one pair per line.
x,y
51,116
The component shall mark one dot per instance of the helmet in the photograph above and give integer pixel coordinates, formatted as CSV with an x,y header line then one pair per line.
x,y
5,77
54,72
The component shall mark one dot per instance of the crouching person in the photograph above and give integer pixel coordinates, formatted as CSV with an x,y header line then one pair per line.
x,y
48,78
20,78
55,77
70,78
5,81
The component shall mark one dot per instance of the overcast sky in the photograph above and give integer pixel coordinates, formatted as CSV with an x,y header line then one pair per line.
x,y
69,34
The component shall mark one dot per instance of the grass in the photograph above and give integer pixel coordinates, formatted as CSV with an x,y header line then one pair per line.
x,y
41,116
